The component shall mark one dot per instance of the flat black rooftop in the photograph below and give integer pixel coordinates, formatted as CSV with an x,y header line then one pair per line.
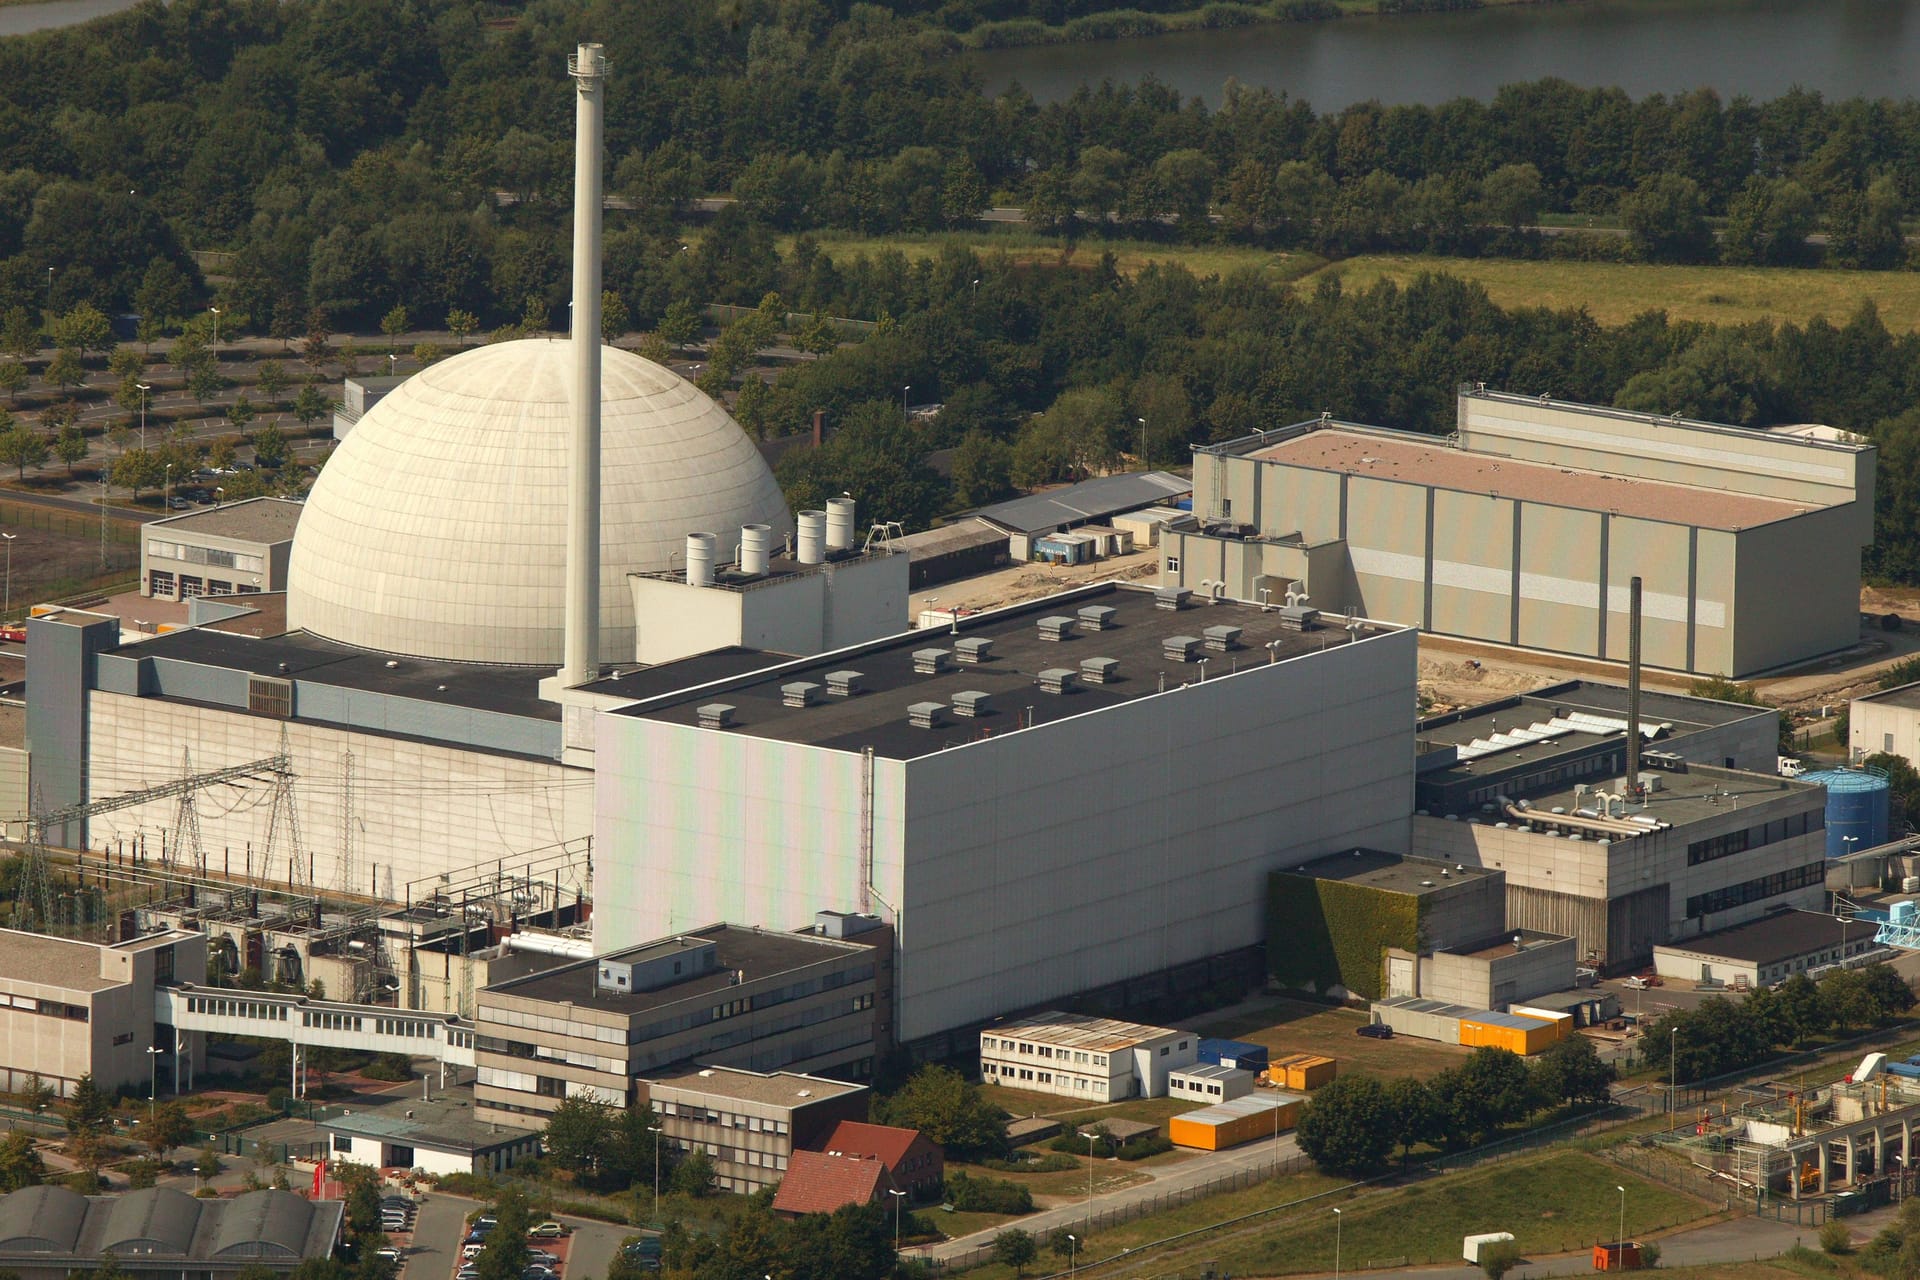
x,y
300,655
1392,872
877,717
1906,696
757,953
1607,701
1784,935
685,673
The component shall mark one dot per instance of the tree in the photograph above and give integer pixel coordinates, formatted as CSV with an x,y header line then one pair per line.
x,y
272,377
1768,223
317,349
22,447
461,323
628,1159
13,378
1667,217
206,1166
953,1112
1572,1071
578,1132
614,319
138,469
83,328
1512,196
168,1127
680,324
269,447
1491,1088
164,294
1344,1128
220,455
20,1163
1015,1248
240,413
395,322
693,1175
982,469
126,362
19,335
425,353
1413,1113
310,405
1498,1258
35,1094
65,369
204,380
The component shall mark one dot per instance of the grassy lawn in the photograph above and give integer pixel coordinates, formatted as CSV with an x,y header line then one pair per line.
x,y
1294,1026
1073,1115
1618,291
1071,1184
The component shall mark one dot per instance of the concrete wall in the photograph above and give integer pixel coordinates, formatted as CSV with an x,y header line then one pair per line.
x,y
1494,982
842,603
422,810
1794,592
1033,864
61,654
1878,726
1465,911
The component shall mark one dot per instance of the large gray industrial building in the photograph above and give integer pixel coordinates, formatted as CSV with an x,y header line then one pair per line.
x,y
1524,527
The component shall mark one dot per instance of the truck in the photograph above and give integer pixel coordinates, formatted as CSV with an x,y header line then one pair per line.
x,y
1790,766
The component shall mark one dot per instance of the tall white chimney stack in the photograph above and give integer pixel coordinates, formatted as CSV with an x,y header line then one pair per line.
x,y
588,68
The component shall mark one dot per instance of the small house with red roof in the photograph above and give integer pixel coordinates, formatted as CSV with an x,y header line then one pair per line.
x,y
917,1163
817,1182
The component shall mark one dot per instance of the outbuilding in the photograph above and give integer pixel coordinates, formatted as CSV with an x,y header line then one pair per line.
x,y
1229,1124
439,1137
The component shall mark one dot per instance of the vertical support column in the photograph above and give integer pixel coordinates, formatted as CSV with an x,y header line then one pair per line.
x,y
588,69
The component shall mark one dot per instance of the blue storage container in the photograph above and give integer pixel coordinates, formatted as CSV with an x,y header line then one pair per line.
x,y
1856,808
1234,1053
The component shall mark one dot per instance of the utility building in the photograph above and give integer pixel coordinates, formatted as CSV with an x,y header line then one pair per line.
x,y
1524,527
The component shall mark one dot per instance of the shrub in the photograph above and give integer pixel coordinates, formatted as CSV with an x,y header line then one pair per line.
x,y
1649,1255
277,1098
1034,1163
1835,1238
1141,1148
987,1195
1498,1258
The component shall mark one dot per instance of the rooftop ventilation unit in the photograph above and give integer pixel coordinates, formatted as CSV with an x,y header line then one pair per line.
x,y
1056,627
971,703
931,662
1221,639
1098,617
844,684
974,650
801,693
716,715
1180,648
1099,670
1057,680
812,540
1171,597
926,715
1299,617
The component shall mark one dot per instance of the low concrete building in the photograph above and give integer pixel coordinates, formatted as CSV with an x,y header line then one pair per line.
x,y
1027,520
239,548
958,550
1886,723
1095,1059
70,1008
357,395
1491,973
51,1233
1766,951
750,1124
442,1136
724,995
1209,1083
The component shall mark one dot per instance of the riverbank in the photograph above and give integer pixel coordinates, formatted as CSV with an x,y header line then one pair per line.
x,y
1136,24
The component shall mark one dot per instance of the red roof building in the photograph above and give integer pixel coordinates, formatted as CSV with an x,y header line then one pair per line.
x,y
820,1183
917,1163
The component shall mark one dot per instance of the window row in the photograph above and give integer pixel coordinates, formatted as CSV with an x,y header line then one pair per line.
x,y
1735,895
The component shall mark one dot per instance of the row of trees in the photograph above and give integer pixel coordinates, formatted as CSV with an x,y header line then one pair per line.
x,y
1352,1125
1723,1035
612,1149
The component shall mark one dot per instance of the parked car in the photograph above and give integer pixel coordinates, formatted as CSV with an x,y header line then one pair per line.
x,y
550,1229
178,504
471,1250
539,1273
390,1254
1376,1030
544,1258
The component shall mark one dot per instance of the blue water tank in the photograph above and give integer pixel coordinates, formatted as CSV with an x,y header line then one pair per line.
x,y
1856,807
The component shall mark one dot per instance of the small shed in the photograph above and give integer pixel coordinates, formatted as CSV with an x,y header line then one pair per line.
x,y
1209,1082
1066,548
1022,1130
958,550
1233,1053
1146,525
1509,1031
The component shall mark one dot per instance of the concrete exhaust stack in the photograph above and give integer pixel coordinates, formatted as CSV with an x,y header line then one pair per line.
x,y
1633,690
588,67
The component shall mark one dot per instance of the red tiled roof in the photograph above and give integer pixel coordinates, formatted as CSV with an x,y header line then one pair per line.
x,y
820,1183
881,1141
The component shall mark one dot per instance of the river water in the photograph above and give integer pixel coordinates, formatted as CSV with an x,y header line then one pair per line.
x,y
1760,48
23,19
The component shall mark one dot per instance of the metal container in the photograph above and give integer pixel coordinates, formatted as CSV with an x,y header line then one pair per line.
x,y
1856,808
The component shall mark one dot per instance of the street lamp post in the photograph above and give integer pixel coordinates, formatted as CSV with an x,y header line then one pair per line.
x,y
216,325
393,365
1145,464
7,611
656,1131
153,1068
1673,1075
1620,1240
898,1196
1090,1140
1073,1245
144,388
166,488
906,406
1338,1219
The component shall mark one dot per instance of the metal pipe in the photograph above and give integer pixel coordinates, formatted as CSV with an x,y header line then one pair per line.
x,y
1633,690
588,69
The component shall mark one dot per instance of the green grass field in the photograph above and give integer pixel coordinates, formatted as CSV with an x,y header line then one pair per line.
x,y
1297,1026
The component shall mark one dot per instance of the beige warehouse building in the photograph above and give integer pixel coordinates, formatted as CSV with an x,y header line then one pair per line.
x,y
1526,525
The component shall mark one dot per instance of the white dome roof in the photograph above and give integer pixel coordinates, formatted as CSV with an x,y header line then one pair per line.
x,y
438,529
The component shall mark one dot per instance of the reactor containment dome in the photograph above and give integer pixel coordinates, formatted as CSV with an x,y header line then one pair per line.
x,y
439,527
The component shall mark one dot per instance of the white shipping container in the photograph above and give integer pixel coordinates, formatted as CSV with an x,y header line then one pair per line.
x,y
1473,1243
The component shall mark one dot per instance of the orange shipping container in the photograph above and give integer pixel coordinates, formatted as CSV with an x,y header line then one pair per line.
x,y
1230,1124
1508,1031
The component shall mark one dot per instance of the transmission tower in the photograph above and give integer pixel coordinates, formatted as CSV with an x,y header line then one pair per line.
x,y
186,821
283,823
33,909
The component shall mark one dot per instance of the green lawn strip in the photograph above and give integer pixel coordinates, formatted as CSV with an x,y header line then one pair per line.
x,y
1554,1204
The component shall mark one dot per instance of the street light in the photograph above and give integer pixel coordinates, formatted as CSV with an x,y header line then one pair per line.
x,y
898,1196
7,612
1673,1075
153,1068
1337,1221
1090,1140
393,363
1621,1239
144,388
166,489
1144,463
656,1131
216,325
906,406
1073,1246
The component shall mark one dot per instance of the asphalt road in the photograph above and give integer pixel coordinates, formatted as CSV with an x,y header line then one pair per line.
x,y
593,1246
436,1238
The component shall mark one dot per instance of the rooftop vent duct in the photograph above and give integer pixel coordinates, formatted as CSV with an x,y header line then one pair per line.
x,y
1056,627
1057,680
813,537
754,539
971,703
931,662
840,523
1180,648
1171,597
1098,617
843,684
926,715
1221,639
801,693
1100,670
1299,617
700,559
973,650
716,715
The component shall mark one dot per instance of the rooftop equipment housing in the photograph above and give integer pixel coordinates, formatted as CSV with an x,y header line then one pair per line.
x,y
1099,670
1056,627
926,715
973,650
971,703
1180,648
844,684
1098,617
931,662
1057,680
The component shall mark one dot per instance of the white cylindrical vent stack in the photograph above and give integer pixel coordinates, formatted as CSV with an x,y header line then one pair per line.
x,y
588,69
754,540
700,559
813,537
840,524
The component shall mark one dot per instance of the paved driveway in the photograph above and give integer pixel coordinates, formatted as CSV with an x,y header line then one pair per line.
x,y
436,1238
592,1247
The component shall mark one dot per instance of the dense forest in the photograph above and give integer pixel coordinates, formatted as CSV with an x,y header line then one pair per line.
x,y
350,157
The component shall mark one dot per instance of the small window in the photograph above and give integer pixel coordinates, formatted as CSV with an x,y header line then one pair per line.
x,y
342,1143
1173,564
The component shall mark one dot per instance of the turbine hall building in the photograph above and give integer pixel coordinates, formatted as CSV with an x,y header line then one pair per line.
x,y
1043,800
1524,527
